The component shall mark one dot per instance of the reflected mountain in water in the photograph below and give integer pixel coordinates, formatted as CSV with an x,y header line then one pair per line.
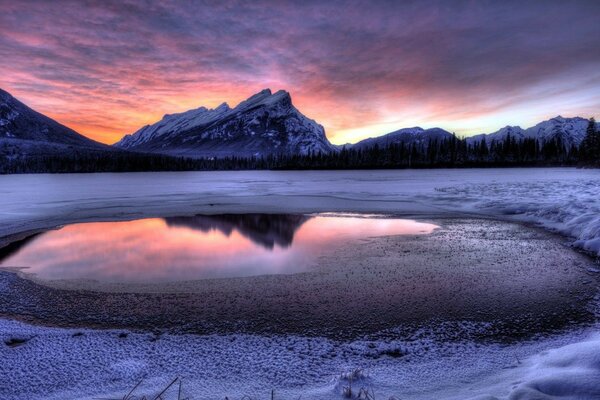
x,y
14,247
266,230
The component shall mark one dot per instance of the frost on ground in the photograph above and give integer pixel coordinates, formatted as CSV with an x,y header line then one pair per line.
x,y
54,363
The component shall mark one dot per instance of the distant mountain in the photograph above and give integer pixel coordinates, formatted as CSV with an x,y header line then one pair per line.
x,y
266,123
266,230
408,136
17,121
570,130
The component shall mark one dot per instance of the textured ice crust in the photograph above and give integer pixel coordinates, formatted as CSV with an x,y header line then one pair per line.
x,y
54,363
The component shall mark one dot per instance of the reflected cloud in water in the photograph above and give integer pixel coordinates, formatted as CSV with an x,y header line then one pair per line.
x,y
199,247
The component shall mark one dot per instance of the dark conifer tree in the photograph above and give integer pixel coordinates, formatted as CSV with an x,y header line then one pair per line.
x,y
590,147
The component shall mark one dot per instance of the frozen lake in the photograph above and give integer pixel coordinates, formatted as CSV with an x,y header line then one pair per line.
x,y
564,199
470,309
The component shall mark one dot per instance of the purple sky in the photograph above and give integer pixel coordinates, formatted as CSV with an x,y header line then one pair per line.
x,y
359,68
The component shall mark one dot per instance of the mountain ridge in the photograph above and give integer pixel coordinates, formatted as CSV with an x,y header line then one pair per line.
x,y
408,136
18,121
570,130
266,123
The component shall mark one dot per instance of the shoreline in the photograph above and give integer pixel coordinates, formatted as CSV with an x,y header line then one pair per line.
x,y
218,366
468,269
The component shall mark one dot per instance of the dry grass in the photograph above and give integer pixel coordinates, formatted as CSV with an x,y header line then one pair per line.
x,y
347,390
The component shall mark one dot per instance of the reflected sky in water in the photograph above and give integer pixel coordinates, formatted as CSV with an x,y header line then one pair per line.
x,y
200,247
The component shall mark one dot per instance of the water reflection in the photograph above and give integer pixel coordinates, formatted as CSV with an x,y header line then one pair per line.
x,y
266,230
200,247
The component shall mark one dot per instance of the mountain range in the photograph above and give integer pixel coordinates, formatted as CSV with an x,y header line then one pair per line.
x,y
570,130
265,124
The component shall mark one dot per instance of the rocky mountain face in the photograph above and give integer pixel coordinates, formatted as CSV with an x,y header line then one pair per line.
x,y
17,121
408,136
266,123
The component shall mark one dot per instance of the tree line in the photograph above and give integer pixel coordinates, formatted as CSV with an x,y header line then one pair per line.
x,y
590,147
451,152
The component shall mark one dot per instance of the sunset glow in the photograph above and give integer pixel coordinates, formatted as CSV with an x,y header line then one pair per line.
x,y
360,69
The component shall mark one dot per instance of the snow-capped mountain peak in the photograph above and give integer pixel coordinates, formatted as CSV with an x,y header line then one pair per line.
x,y
265,123
265,98
570,130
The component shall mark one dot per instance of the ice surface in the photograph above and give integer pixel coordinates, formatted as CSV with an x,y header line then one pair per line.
x,y
568,206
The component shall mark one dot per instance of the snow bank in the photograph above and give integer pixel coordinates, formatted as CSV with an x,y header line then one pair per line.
x,y
571,208
59,364
569,372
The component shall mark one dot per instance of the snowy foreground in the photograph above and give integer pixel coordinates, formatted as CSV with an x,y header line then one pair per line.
x,y
92,364
84,363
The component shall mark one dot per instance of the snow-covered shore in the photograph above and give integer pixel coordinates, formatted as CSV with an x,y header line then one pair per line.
x,y
58,363
568,206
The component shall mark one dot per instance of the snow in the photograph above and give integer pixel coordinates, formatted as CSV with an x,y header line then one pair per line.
x,y
571,130
56,363
225,125
8,117
172,124
406,135
572,371
264,97
570,207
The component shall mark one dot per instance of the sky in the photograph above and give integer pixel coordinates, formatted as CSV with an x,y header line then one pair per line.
x,y
360,69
